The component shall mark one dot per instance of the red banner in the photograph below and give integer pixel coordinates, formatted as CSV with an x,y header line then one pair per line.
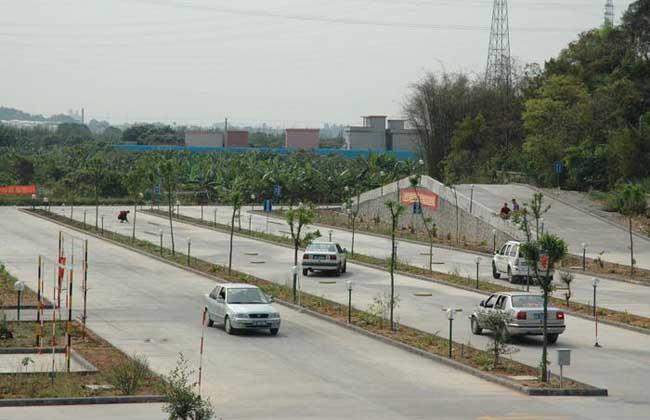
x,y
428,199
18,190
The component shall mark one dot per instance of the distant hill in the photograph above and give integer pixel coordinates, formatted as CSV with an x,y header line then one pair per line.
x,y
16,114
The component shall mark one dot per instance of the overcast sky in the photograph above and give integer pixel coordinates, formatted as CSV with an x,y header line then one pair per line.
x,y
291,63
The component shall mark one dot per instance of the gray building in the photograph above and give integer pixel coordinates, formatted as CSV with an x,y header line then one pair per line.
x,y
203,138
375,134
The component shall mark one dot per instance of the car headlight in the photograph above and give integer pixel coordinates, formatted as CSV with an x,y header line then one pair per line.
x,y
274,315
241,316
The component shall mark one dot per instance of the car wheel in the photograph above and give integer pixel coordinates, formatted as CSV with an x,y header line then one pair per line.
x,y
305,272
552,338
226,326
345,267
210,321
495,273
505,335
338,271
274,331
476,330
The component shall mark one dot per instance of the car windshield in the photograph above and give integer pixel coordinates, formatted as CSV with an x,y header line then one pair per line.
x,y
527,301
247,295
321,248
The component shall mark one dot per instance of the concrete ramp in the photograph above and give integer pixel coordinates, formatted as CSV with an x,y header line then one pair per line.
x,y
572,224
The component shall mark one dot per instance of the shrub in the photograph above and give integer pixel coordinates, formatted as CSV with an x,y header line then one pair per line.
x,y
498,346
183,403
5,330
128,376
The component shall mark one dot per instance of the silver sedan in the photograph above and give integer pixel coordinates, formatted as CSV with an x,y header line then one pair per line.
x,y
241,307
523,314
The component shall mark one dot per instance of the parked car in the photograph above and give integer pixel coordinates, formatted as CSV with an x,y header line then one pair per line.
x,y
525,315
510,261
241,307
324,256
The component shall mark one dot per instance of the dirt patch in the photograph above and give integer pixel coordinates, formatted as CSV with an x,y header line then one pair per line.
x,y
93,348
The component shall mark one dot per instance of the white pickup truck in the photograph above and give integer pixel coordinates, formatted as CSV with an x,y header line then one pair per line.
x,y
510,261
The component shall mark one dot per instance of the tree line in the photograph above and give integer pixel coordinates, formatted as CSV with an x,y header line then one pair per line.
x,y
581,121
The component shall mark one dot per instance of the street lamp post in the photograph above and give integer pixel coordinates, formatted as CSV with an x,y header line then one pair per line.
x,y
451,314
33,201
381,178
330,235
494,241
215,216
478,262
349,284
102,224
584,256
160,233
594,282
19,287
189,246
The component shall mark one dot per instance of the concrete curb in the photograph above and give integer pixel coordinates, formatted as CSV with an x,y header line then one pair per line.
x,y
27,307
407,274
379,235
29,350
586,391
127,399
469,251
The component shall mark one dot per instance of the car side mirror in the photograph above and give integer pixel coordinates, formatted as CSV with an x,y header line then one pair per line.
x,y
345,250
482,304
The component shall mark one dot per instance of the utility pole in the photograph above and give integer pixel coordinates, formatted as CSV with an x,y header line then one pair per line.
x,y
225,133
609,13
499,65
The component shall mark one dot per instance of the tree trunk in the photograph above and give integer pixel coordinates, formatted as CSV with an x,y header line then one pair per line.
x,y
392,273
296,244
631,248
430,255
135,212
96,208
544,330
353,224
171,224
232,233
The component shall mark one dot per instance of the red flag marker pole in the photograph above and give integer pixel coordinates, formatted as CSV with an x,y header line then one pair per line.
x,y
203,320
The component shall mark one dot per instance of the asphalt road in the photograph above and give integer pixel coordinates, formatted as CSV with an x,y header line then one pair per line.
x,y
312,370
622,365
610,294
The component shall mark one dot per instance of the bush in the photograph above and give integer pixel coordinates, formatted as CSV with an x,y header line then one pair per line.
x,y
183,402
5,330
128,377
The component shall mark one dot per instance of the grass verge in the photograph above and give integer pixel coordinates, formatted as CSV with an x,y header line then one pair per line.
x,y
101,354
451,279
479,359
8,296
597,267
